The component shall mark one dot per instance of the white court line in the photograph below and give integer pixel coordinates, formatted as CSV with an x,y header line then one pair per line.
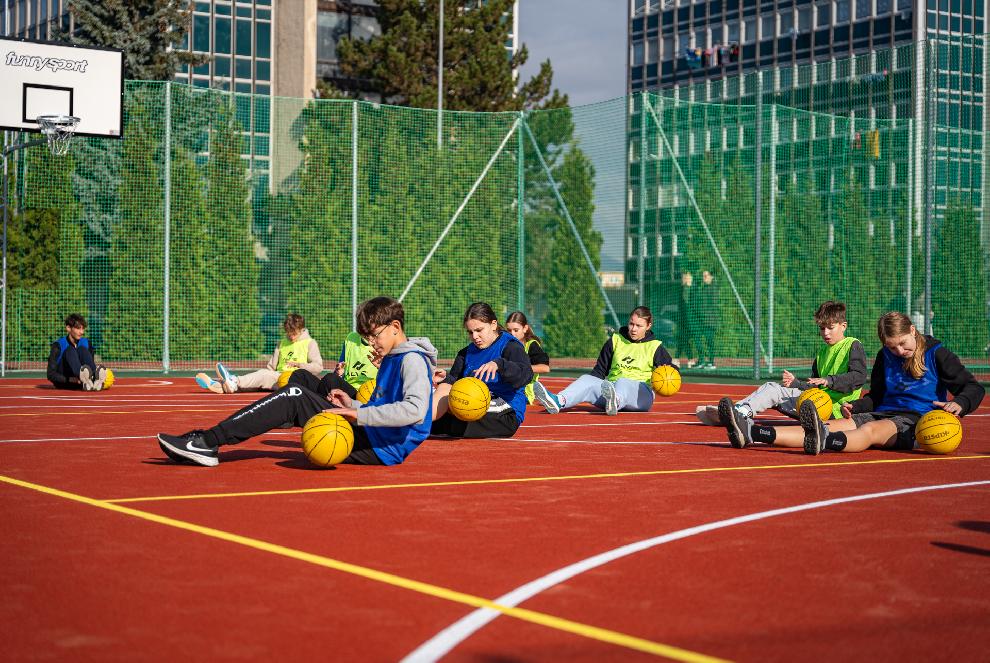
x,y
618,423
113,405
123,437
523,439
444,641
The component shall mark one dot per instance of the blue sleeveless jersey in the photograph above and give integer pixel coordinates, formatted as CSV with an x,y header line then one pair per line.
x,y
63,345
393,443
906,393
475,358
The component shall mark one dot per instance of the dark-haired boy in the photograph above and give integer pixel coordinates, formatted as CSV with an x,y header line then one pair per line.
x,y
70,362
839,369
389,427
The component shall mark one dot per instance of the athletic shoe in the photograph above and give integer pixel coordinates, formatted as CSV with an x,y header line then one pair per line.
x,y
206,382
101,376
815,430
736,423
708,415
547,398
709,366
191,446
611,398
227,379
86,378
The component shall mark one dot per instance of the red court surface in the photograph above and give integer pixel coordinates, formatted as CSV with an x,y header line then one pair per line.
x,y
584,538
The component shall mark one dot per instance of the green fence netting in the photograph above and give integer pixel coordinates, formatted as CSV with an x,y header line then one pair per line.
x,y
186,242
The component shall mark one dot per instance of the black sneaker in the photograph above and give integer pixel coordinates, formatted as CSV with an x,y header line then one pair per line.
x,y
815,430
192,446
736,424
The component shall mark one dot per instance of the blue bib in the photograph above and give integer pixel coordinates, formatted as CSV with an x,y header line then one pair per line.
x,y
393,443
63,345
906,393
475,358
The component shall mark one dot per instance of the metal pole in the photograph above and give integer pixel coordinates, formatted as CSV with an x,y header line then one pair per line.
x,y
354,211
929,195
641,245
440,84
758,230
909,263
773,233
167,304
520,220
3,278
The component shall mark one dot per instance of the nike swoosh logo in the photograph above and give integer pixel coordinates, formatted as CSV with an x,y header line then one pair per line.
x,y
190,447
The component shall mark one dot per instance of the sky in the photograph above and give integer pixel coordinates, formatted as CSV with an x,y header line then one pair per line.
x,y
585,41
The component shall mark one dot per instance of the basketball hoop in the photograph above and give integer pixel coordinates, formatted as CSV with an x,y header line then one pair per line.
x,y
58,129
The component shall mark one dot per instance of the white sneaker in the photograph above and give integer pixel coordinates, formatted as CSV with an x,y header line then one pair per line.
x,y
611,398
708,415
86,378
227,379
101,376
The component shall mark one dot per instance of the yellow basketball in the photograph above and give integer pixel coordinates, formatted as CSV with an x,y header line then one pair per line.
x,y
108,381
822,401
366,390
327,439
938,432
469,399
666,380
283,378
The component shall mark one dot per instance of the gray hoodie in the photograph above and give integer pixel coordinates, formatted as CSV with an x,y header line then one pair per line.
x,y
417,381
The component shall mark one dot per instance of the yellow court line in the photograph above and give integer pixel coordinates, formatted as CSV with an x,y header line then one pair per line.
x,y
436,591
482,482
92,412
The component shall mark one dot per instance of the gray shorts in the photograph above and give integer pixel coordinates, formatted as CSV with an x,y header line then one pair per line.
x,y
904,421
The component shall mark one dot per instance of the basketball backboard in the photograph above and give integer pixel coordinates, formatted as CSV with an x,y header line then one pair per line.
x,y
49,78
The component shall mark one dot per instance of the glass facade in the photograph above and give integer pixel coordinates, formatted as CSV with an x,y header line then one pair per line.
x,y
237,37
781,39
35,19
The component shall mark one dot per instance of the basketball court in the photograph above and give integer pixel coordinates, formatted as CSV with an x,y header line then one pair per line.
x,y
584,537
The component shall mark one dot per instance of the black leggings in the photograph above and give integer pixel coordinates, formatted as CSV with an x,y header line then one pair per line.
x,y
323,385
73,359
293,404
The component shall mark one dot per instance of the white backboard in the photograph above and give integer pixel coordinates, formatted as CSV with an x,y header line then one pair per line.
x,y
49,78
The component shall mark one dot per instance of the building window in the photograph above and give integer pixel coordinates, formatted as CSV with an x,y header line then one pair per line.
x,y
749,32
637,53
243,37
221,35
201,33
842,11
263,39
864,8
824,15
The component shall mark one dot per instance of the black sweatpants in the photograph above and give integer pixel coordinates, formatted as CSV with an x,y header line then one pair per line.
x,y
293,404
73,359
323,385
493,424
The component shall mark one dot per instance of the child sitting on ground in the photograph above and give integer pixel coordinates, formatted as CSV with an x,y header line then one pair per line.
x,y
71,364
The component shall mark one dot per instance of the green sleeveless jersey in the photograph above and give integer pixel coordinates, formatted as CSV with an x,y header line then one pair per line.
x,y
530,395
297,351
833,360
630,360
358,368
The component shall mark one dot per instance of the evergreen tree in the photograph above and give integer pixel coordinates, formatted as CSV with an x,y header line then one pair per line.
x,y
230,251
134,311
959,287
478,75
190,274
44,256
573,325
149,32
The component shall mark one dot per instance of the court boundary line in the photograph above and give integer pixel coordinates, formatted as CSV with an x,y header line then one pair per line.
x,y
513,480
444,641
436,591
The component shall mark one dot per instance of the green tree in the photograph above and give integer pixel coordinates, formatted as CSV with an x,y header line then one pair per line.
x,y
230,249
134,311
149,32
959,287
44,257
190,273
573,324
478,75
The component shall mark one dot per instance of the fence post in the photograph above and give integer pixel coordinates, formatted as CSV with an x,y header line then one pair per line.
x,y
166,360
354,212
520,219
758,230
641,248
931,184
773,234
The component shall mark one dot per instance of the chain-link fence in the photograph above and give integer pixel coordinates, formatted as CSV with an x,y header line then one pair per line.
x,y
732,209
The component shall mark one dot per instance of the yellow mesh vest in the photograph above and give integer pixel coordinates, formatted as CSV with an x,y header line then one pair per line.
x,y
832,360
530,396
633,361
357,357
289,351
